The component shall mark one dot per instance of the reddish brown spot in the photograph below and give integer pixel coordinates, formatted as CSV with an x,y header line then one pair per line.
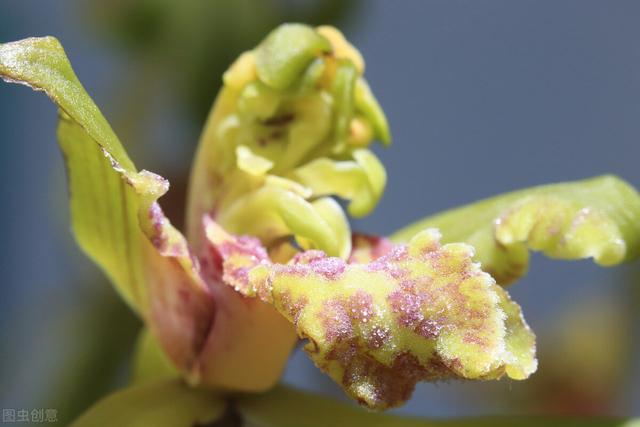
x,y
336,321
470,338
291,307
389,385
360,306
407,306
429,328
378,337
281,120
316,262
390,263
158,220
217,264
307,257
329,268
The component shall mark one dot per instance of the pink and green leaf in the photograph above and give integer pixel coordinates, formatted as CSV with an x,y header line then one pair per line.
x,y
420,312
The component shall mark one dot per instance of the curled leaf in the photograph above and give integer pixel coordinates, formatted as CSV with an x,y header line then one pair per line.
x,y
597,218
421,312
115,217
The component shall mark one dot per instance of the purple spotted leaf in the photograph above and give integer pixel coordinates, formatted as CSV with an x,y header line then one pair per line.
x,y
393,316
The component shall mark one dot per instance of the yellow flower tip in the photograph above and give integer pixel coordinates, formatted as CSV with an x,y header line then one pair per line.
x,y
341,47
241,72
360,132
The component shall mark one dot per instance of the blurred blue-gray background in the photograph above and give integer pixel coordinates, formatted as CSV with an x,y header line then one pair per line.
x,y
483,97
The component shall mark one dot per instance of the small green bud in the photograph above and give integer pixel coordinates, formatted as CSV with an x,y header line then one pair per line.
x,y
286,52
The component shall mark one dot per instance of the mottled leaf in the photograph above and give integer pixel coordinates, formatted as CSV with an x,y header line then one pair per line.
x,y
422,312
160,404
597,218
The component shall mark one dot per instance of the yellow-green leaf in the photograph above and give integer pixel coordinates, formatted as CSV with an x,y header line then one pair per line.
x,y
287,407
597,218
114,213
160,404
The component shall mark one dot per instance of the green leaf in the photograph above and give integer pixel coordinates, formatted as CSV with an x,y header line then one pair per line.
x,y
287,407
597,218
42,64
114,213
163,404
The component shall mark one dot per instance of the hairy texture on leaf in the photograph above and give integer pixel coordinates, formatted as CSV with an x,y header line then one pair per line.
x,y
597,218
417,312
160,404
115,217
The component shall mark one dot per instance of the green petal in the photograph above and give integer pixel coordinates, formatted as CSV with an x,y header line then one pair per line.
x,y
361,180
115,217
371,109
288,211
422,312
342,89
597,218
298,98
287,407
164,404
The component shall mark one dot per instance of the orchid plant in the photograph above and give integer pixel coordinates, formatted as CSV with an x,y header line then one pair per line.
x,y
269,257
